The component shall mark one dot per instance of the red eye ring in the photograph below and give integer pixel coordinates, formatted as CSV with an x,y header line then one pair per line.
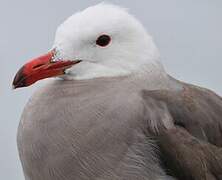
x,y
103,40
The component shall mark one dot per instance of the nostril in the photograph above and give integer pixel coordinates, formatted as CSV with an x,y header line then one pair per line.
x,y
37,66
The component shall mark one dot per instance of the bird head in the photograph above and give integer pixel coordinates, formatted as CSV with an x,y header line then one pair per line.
x,y
101,41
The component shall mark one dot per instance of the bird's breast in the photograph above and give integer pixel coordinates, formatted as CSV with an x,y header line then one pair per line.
x,y
67,131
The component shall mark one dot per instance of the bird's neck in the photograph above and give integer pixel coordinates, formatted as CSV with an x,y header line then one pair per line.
x,y
84,71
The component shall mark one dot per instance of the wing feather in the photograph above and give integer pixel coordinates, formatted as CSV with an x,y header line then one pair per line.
x,y
188,130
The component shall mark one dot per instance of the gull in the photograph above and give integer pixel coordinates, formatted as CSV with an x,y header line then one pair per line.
x,y
113,112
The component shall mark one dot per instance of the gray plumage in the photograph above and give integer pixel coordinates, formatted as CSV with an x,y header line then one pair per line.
x,y
116,115
125,128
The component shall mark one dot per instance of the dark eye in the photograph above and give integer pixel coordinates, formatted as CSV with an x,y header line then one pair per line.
x,y
103,40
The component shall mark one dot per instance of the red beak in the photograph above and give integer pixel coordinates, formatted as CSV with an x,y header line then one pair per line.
x,y
41,68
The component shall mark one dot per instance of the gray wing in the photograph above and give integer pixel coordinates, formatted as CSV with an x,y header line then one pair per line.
x,y
191,144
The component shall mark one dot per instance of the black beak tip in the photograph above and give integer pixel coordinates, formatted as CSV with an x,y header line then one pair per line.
x,y
19,79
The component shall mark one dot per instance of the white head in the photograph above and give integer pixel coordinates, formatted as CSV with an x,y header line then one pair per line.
x,y
129,50
108,41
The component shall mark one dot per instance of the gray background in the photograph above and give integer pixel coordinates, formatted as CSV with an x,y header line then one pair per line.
x,y
188,34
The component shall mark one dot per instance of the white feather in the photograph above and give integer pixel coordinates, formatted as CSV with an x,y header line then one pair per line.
x,y
131,49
